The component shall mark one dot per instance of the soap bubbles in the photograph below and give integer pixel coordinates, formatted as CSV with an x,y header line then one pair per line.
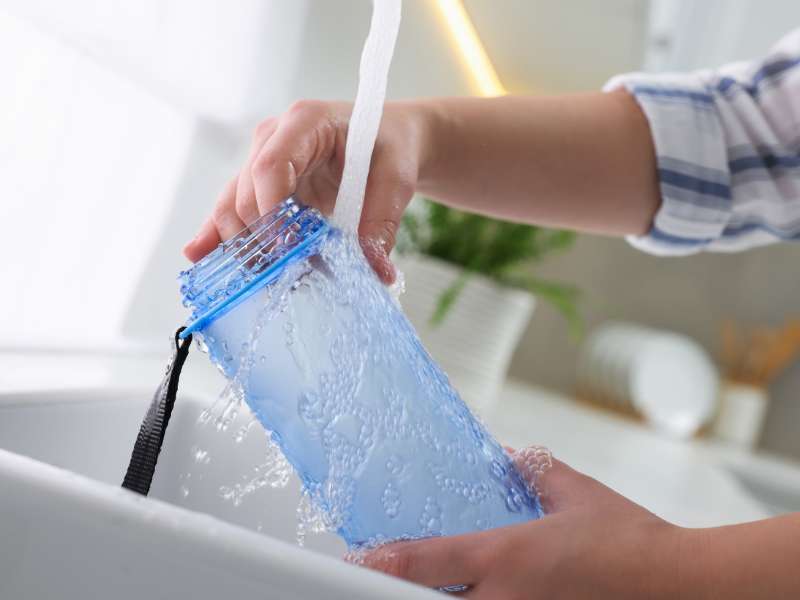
x,y
384,447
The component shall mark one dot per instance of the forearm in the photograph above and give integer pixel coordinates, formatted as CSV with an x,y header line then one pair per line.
x,y
743,562
582,161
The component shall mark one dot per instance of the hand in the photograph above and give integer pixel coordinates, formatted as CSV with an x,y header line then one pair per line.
x,y
301,153
593,543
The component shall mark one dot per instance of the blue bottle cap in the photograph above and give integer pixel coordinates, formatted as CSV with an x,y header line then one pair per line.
x,y
255,257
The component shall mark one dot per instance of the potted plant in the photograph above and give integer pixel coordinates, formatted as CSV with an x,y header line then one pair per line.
x,y
470,290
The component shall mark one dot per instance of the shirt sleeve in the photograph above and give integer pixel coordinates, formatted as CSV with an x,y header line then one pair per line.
x,y
728,153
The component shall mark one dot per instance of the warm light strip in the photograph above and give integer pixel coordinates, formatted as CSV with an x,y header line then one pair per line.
x,y
469,44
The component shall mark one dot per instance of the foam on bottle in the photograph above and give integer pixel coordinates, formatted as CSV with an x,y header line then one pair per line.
x,y
359,428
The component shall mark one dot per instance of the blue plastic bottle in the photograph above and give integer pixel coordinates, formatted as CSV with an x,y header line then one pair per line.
x,y
293,314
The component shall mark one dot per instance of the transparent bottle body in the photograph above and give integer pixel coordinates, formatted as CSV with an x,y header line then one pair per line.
x,y
329,364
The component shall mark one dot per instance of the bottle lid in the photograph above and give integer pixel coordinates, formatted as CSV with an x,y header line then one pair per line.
x,y
253,258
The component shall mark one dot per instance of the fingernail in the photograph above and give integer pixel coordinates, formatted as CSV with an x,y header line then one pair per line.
x,y
203,229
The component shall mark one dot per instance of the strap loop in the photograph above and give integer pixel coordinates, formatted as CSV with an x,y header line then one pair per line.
x,y
145,453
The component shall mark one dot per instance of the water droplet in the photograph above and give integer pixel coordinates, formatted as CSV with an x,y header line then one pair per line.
x,y
200,456
391,500
513,501
241,434
498,470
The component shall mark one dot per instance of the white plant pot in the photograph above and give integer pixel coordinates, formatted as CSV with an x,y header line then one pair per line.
x,y
480,332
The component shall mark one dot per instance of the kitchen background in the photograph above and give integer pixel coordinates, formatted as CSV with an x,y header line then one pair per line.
x,y
120,122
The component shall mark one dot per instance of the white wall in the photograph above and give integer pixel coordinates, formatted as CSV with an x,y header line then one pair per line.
x,y
568,45
81,188
228,61
120,122
688,34
105,118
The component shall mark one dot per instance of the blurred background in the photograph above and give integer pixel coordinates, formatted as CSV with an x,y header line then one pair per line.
x,y
121,121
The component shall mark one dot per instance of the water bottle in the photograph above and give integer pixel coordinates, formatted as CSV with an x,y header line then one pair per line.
x,y
321,352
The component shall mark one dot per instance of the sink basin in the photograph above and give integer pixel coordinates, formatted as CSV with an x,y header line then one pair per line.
x,y
67,529
776,486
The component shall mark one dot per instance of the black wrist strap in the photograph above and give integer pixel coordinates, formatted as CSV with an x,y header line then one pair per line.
x,y
151,434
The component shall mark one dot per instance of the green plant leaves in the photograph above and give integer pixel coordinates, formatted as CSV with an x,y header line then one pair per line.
x,y
449,297
500,250
563,297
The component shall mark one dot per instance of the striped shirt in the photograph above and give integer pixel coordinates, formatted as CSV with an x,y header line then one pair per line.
x,y
728,149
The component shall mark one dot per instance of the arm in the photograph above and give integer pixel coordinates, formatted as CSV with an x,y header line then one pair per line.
x,y
728,153
752,560
583,161
702,160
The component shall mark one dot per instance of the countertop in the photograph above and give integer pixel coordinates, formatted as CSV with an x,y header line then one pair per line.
x,y
692,483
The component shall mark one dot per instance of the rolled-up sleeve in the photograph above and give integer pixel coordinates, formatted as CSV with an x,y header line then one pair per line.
x,y
728,153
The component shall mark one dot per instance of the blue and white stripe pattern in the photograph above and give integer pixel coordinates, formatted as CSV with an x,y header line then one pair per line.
x,y
728,148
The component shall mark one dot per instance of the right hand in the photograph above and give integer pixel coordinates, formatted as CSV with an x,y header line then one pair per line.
x,y
301,153
592,543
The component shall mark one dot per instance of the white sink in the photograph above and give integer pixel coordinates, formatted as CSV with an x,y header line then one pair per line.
x,y
67,530
773,483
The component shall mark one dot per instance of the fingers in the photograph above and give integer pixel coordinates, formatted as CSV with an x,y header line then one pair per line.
x,y
223,224
305,147
204,242
385,199
246,202
304,138
282,150
225,218
558,486
434,562
562,488
376,251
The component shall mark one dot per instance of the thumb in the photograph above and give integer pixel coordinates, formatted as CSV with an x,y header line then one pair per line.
x,y
558,486
377,240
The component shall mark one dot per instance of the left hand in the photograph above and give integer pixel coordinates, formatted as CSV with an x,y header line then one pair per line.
x,y
593,543
301,154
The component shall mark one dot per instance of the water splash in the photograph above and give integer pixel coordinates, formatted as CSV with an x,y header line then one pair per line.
x,y
386,444
200,456
310,518
184,485
274,472
356,426
244,430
